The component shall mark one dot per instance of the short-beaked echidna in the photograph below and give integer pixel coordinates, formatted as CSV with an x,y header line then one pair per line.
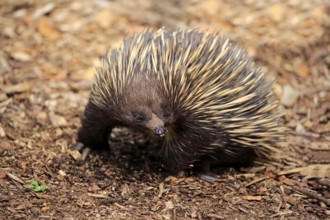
x,y
200,93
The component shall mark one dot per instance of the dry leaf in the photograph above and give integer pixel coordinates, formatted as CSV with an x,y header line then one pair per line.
x,y
211,7
2,132
2,175
316,171
21,56
13,177
311,171
75,154
105,18
168,206
287,181
276,12
95,195
161,190
125,191
303,70
252,198
277,90
289,95
57,120
47,31
17,88
45,9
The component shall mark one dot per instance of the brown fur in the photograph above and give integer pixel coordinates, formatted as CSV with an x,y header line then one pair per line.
x,y
203,94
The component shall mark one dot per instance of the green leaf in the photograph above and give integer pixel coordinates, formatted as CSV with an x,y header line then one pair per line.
x,y
40,188
44,204
36,187
29,186
34,183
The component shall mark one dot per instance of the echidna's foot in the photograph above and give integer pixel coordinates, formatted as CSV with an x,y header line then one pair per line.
x,y
203,170
209,177
85,151
80,146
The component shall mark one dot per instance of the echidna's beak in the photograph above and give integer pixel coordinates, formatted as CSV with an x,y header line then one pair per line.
x,y
160,130
156,125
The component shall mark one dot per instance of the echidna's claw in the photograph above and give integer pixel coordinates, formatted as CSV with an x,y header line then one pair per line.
x,y
207,177
85,153
79,146
83,150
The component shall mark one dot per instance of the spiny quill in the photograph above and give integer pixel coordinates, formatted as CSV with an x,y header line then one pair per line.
x,y
200,93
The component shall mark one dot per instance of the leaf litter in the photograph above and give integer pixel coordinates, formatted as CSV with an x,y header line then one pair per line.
x,y
47,58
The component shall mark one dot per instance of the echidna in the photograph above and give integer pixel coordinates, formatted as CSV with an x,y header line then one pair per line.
x,y
200,93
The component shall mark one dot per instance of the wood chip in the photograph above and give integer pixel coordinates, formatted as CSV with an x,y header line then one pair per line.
x,y
256,181
47,31
252,198
17,88
102,196
13,177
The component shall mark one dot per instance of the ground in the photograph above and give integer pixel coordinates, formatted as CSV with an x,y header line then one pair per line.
x,y
47,57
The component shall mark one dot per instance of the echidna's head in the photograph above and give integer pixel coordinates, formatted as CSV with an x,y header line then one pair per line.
x,y
144,107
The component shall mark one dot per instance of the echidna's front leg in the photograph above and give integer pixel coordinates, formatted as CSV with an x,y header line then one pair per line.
x,y
180,151
190,146
95,129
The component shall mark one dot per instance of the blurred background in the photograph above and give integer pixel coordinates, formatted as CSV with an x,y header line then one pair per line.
x,y
65,37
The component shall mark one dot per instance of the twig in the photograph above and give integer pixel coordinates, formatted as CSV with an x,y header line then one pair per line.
x,y
13,177
312,195
256,181
306,134
282,213
121,207
243,210
324,182
215,216
95,195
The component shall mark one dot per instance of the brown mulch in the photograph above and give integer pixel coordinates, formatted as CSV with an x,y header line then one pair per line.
x,y
48,50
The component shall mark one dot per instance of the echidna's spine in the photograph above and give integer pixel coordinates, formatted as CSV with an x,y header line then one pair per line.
x,y
221,101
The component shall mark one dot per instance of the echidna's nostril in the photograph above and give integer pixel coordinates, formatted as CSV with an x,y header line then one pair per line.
x,y
160,130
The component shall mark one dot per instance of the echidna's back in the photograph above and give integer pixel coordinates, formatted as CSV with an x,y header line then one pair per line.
x,y
201,74
219,83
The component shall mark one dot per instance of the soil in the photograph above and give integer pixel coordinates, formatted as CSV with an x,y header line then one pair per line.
x,y
47,58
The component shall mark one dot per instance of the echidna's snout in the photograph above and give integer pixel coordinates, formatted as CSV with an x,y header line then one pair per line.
x,y
156,125
160,130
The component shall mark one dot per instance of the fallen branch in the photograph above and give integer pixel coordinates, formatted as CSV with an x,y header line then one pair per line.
x,y
312,194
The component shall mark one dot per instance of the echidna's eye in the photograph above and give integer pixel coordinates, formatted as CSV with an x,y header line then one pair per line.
x,y
138,117
166,115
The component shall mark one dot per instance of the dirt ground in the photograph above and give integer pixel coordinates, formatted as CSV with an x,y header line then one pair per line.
x,y
48,50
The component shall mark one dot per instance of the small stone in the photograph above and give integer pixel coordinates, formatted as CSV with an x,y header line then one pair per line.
x,y
300,128
21,56
4,104
9,32
75,155
41,117
194,214
277,90
289,95
125,191
57,120
62,173
4,67
276,12
3,97
58,132
2,132
17,88
2,175
45,9
105,18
